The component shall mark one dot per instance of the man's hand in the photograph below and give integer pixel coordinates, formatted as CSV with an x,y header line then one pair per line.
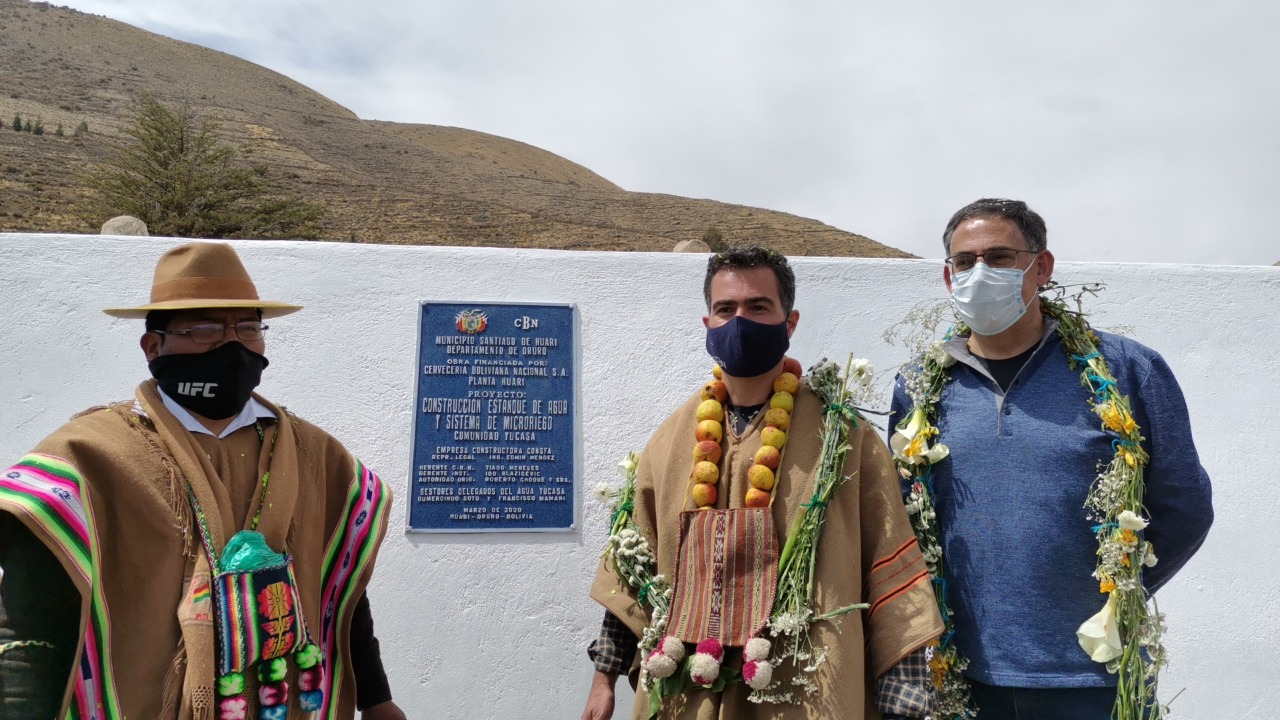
x,y
383,711
600,700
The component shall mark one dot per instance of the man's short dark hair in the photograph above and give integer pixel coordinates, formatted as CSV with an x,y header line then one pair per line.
x,y
739,258
1029,222
158,320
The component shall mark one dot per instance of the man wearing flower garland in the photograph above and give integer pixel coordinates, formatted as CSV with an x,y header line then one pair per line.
x,y
1017,446
720,649
118,536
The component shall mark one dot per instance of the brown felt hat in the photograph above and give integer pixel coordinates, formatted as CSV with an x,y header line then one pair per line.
x,y
202,275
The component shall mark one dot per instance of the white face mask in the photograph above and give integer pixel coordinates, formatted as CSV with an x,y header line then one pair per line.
x,y
989,300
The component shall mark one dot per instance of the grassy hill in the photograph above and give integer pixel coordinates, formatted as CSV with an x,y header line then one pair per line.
x,y
382,182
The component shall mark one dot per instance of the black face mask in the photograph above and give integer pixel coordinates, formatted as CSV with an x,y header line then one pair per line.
x,y
745,348
214,384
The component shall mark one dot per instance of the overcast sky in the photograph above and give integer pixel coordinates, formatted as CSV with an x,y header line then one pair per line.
x,y
1143,130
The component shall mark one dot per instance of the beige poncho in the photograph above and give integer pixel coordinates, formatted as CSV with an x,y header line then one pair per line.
x,y
867,553
107,494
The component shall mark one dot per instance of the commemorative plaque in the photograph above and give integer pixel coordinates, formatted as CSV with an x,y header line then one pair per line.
x,y
494,419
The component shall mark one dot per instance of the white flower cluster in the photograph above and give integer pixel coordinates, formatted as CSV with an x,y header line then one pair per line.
x,y
656,630
790,623
604,493
634,561
937,354
658,618
1150,638
1107,492
1129,520
918,504
862,371
917,386
631,545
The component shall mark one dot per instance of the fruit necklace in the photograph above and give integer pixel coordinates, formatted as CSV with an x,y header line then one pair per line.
x,y
762,475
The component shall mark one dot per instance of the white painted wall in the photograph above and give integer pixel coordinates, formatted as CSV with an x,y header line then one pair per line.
x,y
495,626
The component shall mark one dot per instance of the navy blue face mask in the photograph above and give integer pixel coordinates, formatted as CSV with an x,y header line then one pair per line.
x,y
745,348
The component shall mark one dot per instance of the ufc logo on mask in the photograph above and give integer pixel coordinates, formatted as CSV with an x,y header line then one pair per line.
x,y
195,389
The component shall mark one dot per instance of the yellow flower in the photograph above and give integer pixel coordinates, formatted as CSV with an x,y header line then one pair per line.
x,y
1107,585
1129,459
1115,418
939,665
1112,416
1128,537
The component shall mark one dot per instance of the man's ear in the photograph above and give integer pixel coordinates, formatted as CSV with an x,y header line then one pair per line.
x,y
1044,268
792,319
150,343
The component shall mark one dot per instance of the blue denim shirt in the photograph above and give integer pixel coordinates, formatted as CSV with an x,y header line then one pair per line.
x,y
1010,501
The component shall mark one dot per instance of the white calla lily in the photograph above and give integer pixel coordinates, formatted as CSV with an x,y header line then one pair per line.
x,y
911,444
627,468
1099,636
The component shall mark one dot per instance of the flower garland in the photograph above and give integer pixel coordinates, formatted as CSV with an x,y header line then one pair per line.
x,y
667,668
629,554
1126,633
793,612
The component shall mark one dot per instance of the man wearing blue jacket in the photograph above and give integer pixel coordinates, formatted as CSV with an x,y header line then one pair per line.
x,y
1025,447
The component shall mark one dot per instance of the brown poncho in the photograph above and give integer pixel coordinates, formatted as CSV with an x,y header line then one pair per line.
x,y
867,553
107,494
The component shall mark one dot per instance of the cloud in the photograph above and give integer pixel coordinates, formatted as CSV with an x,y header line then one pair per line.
x,y
1142,131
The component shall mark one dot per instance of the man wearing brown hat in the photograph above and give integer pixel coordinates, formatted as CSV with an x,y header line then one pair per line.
x,y
196,551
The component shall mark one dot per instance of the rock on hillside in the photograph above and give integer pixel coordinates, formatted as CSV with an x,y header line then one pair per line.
x,y
383,182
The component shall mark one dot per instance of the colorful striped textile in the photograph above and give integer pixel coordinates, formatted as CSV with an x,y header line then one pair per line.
x,y
257,617
726,575
346,559
895,574
48,491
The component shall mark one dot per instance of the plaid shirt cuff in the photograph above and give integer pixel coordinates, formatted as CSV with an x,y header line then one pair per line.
x,y
615,649
906,690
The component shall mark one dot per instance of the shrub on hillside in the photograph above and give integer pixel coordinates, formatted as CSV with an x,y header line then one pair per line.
x,y
180,178
715,240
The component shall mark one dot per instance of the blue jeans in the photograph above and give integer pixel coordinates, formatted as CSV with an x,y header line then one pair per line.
x,y
1009,703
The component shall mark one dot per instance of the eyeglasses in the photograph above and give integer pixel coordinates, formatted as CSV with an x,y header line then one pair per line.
x,y
994,258
210,333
